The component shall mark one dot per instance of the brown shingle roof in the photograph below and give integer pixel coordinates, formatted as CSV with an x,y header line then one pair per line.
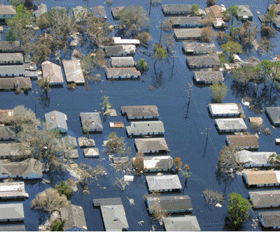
x,y
243,140
261,177
52,72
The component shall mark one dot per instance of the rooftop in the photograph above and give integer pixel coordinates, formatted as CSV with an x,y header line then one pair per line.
x,y
122,72
161,183
257,158
158,163
274,114
262,177
270,218
116,10
185,223
140,111
11,211
12,70
231,124
224,109
203,60
7,10
145,127
187,33
74,217
99,11
265,199
92,119
10,57
15,82
247,140
176,8
52,72
122,61
151,144
56,119
197,47
208,76
120,50
73,71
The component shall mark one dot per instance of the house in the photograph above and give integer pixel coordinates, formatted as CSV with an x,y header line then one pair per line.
x,y
244,13
12,71
170,204
85,142
185,223
176,9
91,152
116,124
56,121
261,178
270,219
10,46
42,9
153,128
11,58
120,159
158,163
52,73
99,12
69,142
273,113
11,151
208,77
256,120
80,13
228,125
120,41
71,154
13,190
254,159
151,145
251,62
74,217
203,61
12,227
15,83
113,213
120,62
185,33
265,199
11,212
185,21
197,48
7,12
164,183
6,115
26,169
91,121
225,109
116,10
7,133
140,112
243,141
120,50
73,71
217,12
122,73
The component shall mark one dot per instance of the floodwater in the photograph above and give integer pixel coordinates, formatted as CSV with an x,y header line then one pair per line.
x,y
185,132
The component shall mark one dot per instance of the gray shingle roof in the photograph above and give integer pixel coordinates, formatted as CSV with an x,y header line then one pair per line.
x,y
120,50
122,72
255,158
187,33
177,21
11,227
122,61
99,11
274,114
7,132
56,119
208,76
69,141
265,199
94,120
210,60
116,10
6,115
74,217
145,127
244,12
12,70
15,82
42,8
11,211
196,47
9,57
158,163
175,9
140,111
7,10
186,223
163,183
73,71
231,124
10,46
52,72
156,144
9,150
85,142
270,218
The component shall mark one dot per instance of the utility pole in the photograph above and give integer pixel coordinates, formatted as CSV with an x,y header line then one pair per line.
x,y
207,136
189,99
36,93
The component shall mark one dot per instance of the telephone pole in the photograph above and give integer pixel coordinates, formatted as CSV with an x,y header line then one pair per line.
x,y
189,99
206,143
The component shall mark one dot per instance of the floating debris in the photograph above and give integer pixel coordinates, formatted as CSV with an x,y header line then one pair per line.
x,y
131,201
140,223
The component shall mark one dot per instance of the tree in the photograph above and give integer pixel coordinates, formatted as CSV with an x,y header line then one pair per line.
x,y
246,74
219,91
160,53
231,48
195,10
271,14
45,85
87,66
212,197
138,163
177,163
228,163
49,200
232,11
144,38
57,225
117,146
99,59
211,2
207,34
105,104
142,65
166,25
267,31
238,209
64,189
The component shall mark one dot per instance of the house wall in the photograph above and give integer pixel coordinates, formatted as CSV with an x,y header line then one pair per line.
x,y
31,176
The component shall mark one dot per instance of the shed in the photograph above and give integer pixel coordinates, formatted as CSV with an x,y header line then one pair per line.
x,y
208,77
116,124
56,120
52,73
7,133
273,113
120,50
184,34
261,178
10,46
11,212
119,62
91,152
228,125
140,112
185,223
151,145
152,128
120,41
176,9
244,13
122,73
243,141
91,121
85,142
15,83
158,163
170,204
255,120
74,217
163,183
99,12
265,199
270,219
254,159
116,10
185,21
13,190
198,48
203,61
225,109
73,71
14,58
12,70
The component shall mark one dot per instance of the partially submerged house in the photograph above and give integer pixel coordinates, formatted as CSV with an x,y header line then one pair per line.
x,y
176,9
140,112
120,62
7,133
91,152
116,10
52,73
270,219
254,159
120,41
14,58
99,12
74,217
69,141
225,109
13,190
197,48
120,50
11,212
217,12
185,223
261,178
170,204
56,121
273,113
184,34
152,128
42,9
91,121
151,145
113,213
158,163
26,169
203,61
10,46
265,199
164,183
12,70
80,13
190,22
244,13
73,71
229,125
85,142
243,141
6,115
15,83
122,73
7,12
11,151
208,77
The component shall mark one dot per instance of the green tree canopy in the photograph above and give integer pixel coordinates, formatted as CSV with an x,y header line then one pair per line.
x,y
219,91
231,48
233,11
195,9
142,65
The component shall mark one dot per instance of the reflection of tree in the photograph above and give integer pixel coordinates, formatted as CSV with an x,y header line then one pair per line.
x,y
44,100
157,80
224,178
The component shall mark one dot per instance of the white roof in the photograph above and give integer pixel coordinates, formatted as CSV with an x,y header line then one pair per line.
x,y
231,124
152,162
224,108
261,158
119,40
